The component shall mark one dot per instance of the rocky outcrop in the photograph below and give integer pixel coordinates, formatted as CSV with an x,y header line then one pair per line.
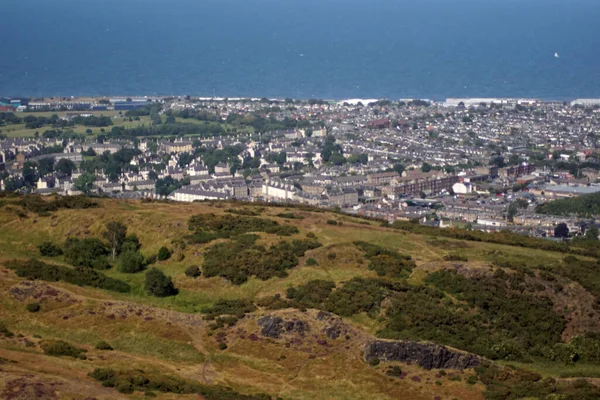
x,y
273,326
426,355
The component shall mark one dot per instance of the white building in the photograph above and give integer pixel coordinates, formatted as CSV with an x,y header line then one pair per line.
x,y
278,190
189,195
462,188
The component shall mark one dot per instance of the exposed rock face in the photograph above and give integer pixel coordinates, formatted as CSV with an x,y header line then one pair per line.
x,y
427,355
273,326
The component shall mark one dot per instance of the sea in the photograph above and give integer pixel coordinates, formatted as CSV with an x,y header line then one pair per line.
x,y
327,49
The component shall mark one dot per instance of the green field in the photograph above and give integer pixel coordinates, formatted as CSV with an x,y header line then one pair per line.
x,y
19,130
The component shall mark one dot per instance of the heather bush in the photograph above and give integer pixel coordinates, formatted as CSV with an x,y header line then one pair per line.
x,y
81,276
208,227
131,261
139,380
311,261
58,348
89,252
193,272
49,249
229,307
163,254
102,345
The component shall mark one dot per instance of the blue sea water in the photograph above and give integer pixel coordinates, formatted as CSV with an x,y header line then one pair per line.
x,y
330,49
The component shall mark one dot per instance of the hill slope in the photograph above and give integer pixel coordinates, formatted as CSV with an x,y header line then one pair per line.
x,y
290,302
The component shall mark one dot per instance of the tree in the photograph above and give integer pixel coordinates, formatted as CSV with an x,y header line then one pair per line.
x,y
158,284
337,158
512,211
65,166
45,166
30,175
561,230
153,147
498,161
85,182
399,168
426,167
163,254
115,234
514,159
591,233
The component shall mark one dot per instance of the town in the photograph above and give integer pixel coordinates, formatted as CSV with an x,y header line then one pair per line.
x,y
481,164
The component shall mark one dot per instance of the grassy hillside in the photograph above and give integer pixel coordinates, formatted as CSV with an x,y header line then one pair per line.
x,y
284,305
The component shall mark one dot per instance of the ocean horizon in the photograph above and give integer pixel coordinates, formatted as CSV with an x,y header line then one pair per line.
x,y
327,49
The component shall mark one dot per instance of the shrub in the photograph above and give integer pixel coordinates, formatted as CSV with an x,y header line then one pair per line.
x,y
499,316
102,345
131,243
49,249
275,302
222,346
131,261
302,246
163,254
356,295
387,262
394,371
332,222
247,239
374,361
37,204
58,348
312,294
238,261
331,256
311,262
4,330
138,380
229,307
208,227
90,252
103,374
81,276
33,307
124,387
290,216
193,272
158,284
455,257
151,259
